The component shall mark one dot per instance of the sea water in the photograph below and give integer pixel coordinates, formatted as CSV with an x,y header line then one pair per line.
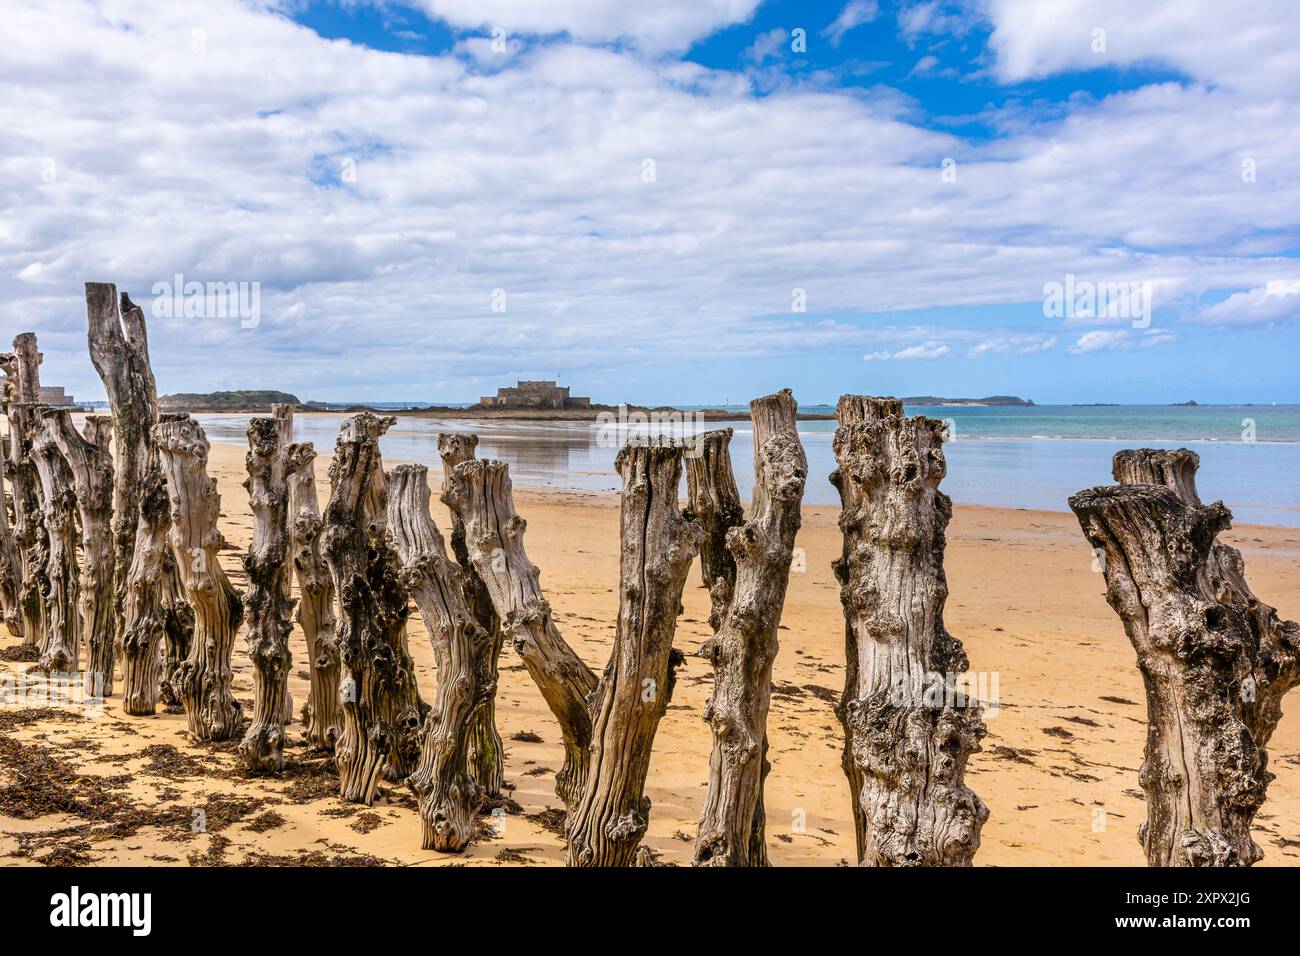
x,y
1013,457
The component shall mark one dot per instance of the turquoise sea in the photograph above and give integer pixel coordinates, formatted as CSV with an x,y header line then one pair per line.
x,y
1015,457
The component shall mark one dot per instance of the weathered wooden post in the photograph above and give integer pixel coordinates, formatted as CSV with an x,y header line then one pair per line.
x,y
909,731
608,725
203,679
148,601
321,714
1215,660
480,495
381,706
22,391
714,501
267,603
11,568
486,752
119,349
743,649
91,467
448,794
61,643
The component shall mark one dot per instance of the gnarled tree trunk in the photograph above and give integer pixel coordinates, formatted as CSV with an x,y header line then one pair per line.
x,y
145,611
382,710
1214,659
267,603
742,651
448,795
908,730
486,752
321,714
91,467
60,650
204,677
29,536
479,494
606,824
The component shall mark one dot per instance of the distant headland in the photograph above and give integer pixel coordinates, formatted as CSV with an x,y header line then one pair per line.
x,y
525,401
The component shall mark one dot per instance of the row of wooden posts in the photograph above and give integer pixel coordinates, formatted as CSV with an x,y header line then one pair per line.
x,y
118,550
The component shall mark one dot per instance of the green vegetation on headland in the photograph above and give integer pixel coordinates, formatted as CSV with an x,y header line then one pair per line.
x,y
245,400
1001,400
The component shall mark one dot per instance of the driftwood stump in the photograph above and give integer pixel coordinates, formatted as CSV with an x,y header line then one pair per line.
x,y
61,642
91,467
1215,660
203,679
479,494
744,647
267,602
909,731
486,752
29,536
147,600
322,716
448,795
381,706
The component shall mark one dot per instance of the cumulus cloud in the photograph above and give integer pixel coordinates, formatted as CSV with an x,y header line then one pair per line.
x,y
1276,301
1013,345
1206,39
854,14
661,26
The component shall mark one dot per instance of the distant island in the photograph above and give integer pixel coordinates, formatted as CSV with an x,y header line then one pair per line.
x,y
250,400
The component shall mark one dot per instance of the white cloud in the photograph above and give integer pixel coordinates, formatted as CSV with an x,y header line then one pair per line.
x,y
854,14
229,164
924,350
1103,340
1013,345
1276,301
1207,39
766,45
661,26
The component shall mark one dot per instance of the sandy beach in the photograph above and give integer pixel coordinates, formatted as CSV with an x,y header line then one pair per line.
x,y
1058,769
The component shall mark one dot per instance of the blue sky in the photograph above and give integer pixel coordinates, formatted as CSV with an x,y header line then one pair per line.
x,y
690,201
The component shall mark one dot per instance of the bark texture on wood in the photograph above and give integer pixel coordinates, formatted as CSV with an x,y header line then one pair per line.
x,y
486,752
29,528
321,714
1214,659
61,642
448,795
204,677
742,651
479,493
908,730
146,610
606,824
267,602
91,465
714,502
11,569
382,710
